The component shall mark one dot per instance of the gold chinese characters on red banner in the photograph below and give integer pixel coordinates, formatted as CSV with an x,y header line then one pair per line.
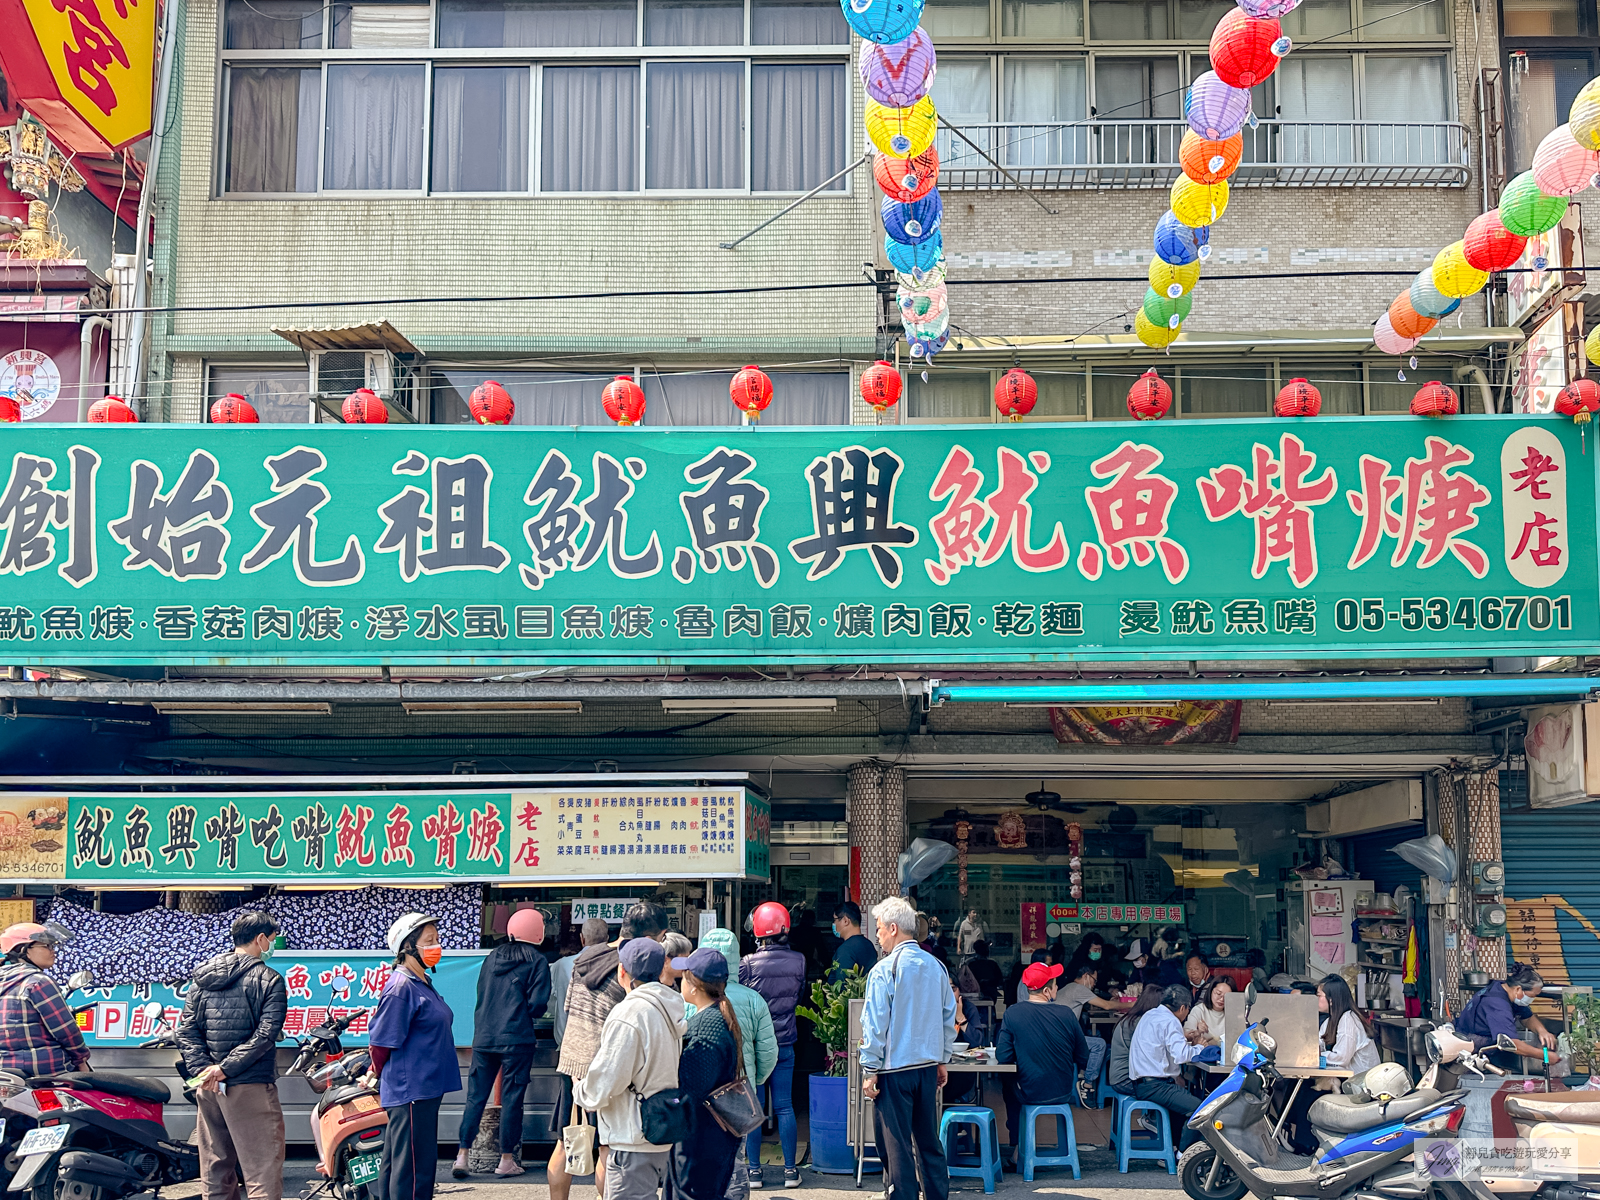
x,y
1184,723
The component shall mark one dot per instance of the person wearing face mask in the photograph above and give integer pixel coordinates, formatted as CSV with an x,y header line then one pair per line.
x,y
228,1036
414,1056
855,948
1496,1010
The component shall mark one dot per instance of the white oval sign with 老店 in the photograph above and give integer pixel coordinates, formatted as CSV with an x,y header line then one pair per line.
x,y
1533,489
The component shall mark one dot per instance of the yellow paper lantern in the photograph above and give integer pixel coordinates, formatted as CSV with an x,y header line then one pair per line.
x,y
1170,280
1198,204
1153,335
902,132
1453,275
1591,345
1584,116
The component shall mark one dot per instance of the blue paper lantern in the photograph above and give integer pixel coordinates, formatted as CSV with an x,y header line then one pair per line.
x,y
915,222
1175,242
1428,300
883,21
926,348
910,259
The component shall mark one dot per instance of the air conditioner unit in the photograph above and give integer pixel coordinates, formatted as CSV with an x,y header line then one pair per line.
x,y
337,373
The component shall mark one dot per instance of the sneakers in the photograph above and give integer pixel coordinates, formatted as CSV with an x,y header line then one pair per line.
x,y
791,1177
755,1177
1086,1092
1144,1122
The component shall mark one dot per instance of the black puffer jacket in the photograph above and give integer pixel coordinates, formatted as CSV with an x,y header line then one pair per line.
x,y
779,974
513,989
233,1019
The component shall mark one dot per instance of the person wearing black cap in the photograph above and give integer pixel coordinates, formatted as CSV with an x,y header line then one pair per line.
x,y
1045,1041
713,1055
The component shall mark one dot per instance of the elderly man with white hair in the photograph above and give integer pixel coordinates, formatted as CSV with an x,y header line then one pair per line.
x,y
908,1030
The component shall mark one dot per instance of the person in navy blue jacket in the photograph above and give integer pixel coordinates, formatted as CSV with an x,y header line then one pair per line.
x,y
779,974
1498,1008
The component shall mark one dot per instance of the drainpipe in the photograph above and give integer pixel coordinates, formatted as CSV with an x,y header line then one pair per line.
x,y
85,356
141,241
1462,374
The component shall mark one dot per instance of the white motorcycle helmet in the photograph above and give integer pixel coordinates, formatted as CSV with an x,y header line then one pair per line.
x,y
407,924
1385,1079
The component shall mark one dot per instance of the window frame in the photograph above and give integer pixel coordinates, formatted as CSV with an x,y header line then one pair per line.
x,y
209,393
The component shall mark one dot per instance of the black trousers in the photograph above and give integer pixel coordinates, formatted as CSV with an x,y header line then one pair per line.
x,y
513,1066
410,1151
1178,1100
905,1119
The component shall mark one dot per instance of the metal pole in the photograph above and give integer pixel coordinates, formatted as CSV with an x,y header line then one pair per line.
x,y
780,215
1012,178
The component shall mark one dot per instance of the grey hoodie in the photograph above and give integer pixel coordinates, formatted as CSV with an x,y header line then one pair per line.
x,y
638,1057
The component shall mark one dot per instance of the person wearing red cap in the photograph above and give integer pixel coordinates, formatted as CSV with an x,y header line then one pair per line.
x,y
1046,1041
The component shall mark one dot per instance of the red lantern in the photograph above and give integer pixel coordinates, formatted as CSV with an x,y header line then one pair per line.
x,y
234,409
1489,245
1297,399
880,387
906,179
364,407
1016,394
751,390
1579,400
1149,398
491,404
1434,399
10,411
112,411
1242,48
623,400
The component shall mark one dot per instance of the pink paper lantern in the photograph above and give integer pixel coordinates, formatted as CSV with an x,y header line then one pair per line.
x,y
1561,167
1215,110
900,73
1390,342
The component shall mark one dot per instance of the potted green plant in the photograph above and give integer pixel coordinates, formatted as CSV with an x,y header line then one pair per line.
x,y
829,1014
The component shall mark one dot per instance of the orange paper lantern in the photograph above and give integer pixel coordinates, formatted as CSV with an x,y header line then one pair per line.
x,y
1208,161
1408,323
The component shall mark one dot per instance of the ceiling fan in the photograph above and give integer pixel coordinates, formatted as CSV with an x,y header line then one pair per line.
x,y
1048,801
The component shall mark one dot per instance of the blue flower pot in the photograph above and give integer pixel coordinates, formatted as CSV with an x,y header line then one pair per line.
x,y
830,1131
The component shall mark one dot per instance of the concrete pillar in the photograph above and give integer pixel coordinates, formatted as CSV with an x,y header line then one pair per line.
x,y
875,806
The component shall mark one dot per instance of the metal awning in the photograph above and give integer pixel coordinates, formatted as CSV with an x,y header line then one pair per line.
x,y
374,335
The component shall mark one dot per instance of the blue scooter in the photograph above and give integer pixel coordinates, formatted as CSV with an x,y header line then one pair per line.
x,y
1366,1142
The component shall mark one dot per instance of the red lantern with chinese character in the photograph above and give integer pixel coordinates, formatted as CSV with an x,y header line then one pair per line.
x,y
10,411
751,390
1149,398
1016,394
1297,398
364,407
234,409
880,387
1489,245
491,404
112,411
1434,399
623,400
1579,400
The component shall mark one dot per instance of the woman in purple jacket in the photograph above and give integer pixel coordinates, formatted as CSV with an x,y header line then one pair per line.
x,y
779,975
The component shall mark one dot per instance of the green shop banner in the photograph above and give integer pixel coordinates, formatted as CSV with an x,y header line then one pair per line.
x,y
330,544
533,837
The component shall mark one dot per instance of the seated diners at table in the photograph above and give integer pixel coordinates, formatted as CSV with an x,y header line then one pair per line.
x,y
1156,1055
1045,1041
1205,1017
1076,996
1344,1041
1196,970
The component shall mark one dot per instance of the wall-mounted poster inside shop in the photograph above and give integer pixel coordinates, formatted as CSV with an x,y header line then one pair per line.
x,y
1183,723
295,546
580,835
1033,923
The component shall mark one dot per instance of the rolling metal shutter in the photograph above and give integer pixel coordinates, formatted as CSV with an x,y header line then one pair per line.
x,y
1374,860
1552,859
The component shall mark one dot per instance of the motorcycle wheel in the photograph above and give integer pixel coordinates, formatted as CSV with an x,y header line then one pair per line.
x,y
1195,1167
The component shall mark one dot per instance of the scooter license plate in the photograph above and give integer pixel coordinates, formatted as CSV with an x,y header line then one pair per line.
x,y
44,1140
363,1168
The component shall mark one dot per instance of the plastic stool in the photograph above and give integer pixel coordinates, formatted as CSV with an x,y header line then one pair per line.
x,y
1066,1137
1103,1090
1123,1134
987,1167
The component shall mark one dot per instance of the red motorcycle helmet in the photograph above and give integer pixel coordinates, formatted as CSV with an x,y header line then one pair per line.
x,y
769,920
526,925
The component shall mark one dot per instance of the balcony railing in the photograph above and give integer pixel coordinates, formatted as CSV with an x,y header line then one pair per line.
x,y
1144,154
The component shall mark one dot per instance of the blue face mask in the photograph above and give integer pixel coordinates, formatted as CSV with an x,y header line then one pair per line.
x,y
1523,1003
1094,955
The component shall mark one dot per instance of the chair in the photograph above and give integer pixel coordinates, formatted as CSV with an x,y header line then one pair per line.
x,y
1103,1090
1148,1145
987,1167
1066,1152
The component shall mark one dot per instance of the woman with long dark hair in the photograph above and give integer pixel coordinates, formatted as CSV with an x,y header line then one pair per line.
x,y
713,1055
1209,1004
1122,1038
1345,1036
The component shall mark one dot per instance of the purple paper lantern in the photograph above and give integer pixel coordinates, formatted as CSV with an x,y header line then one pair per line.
x,y
1214,110
901,73
912,224
1268,8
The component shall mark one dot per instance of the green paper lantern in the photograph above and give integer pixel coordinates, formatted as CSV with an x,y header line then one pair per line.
x,y
1164,312
1525,210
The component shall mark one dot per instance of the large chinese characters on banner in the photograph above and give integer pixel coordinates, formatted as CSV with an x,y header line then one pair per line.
x,y
194,544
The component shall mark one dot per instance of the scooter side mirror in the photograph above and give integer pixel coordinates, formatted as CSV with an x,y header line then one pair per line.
x,y
153,1010
1249,999
1505,1042
79,980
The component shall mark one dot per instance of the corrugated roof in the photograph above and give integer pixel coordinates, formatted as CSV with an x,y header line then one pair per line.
x,y
374,335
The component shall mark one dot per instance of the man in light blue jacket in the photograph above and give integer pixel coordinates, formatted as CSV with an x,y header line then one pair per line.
x,y
908,1031
755,1028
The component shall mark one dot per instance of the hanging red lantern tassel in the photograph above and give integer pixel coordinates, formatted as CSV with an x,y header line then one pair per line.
x,y
364,407
10,411
112,411
623,401
881,386
1297,398
1016,394
1149,398
1434,399
491,404
234,409
751,390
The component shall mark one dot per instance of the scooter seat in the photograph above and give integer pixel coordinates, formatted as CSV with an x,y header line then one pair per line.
x,y
120,1085
1573,1108
1344,1114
